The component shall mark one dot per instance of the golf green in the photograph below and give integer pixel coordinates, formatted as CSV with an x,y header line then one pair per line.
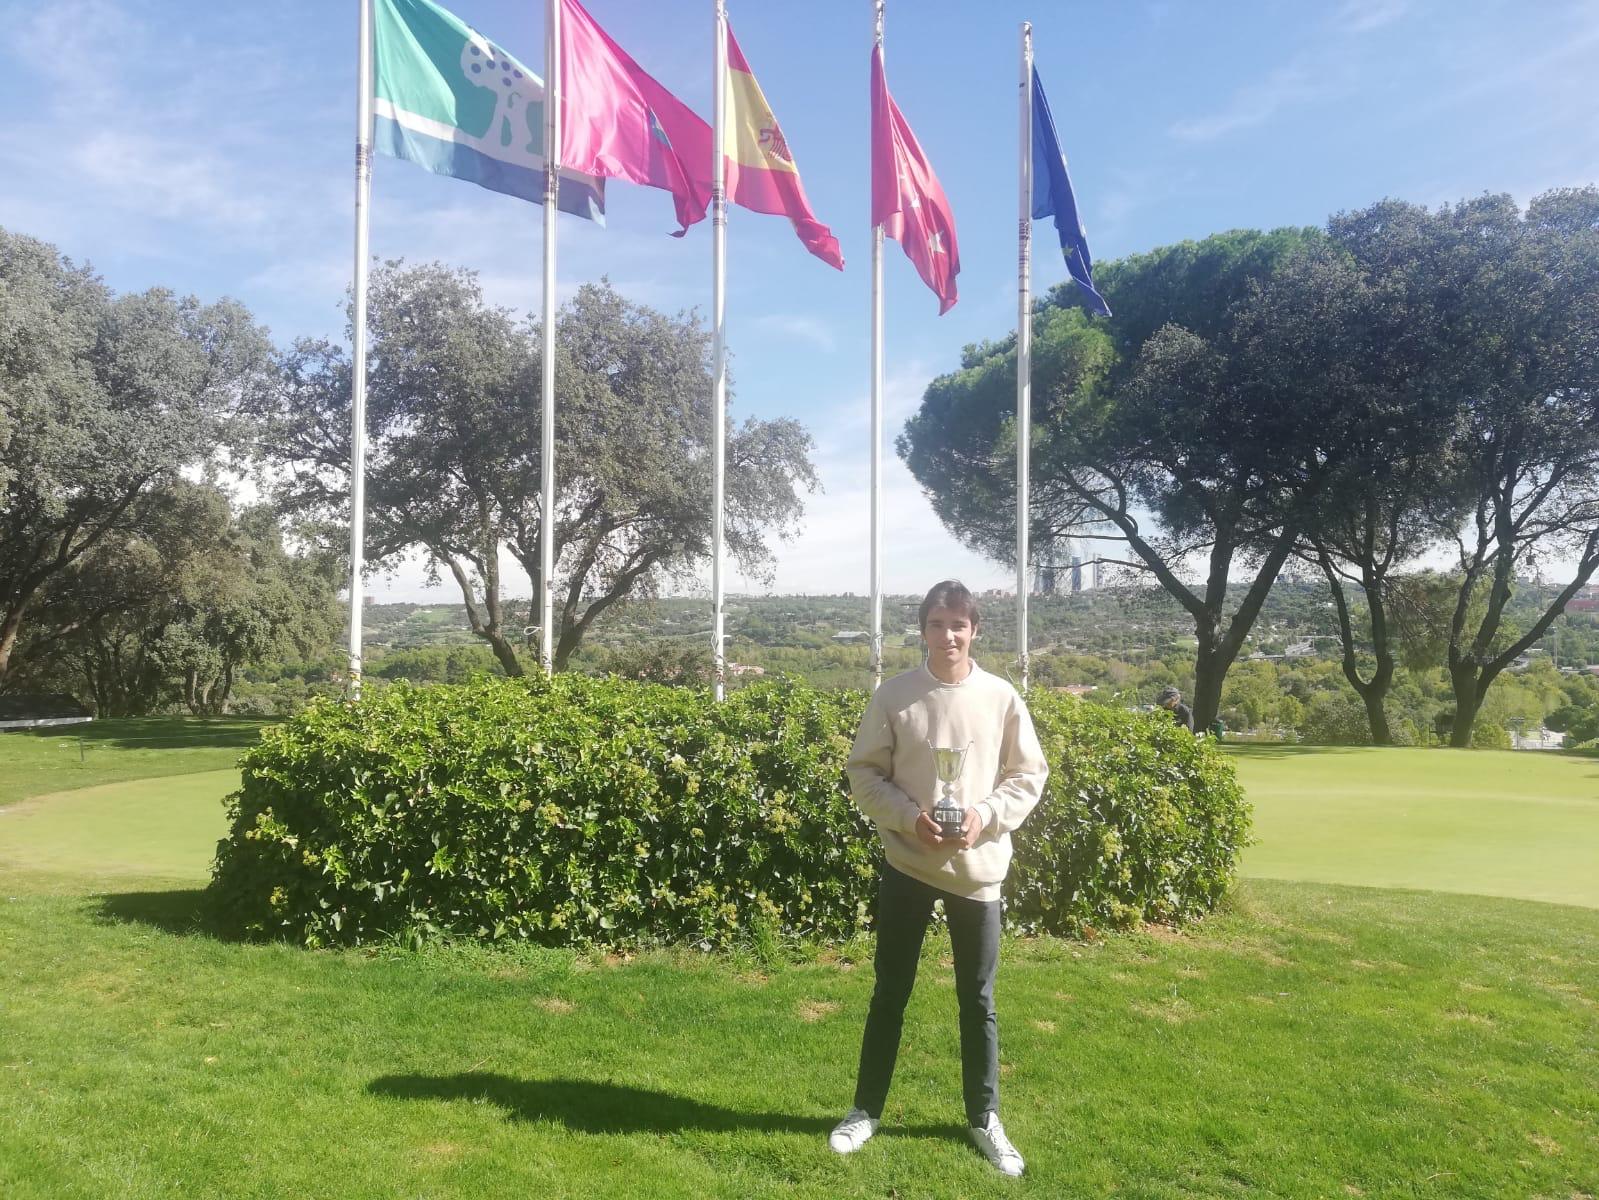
x,y
165,828
1494,823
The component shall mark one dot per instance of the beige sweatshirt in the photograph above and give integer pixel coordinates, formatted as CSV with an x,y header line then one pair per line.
x,y
892,777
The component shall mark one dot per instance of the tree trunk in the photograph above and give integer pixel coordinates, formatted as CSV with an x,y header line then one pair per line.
x,y
564,646
8,635
485,621
1376,714
1210,673
1463,678
503,650
1374,692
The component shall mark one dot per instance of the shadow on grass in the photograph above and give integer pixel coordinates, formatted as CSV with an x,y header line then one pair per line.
x,y
182,912
1287,750
587,1106
162,733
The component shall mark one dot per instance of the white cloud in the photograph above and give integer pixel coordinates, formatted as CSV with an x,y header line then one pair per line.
x,y
1560,75
1363,16
170,179
141,131
322,276
80,45
1253,104
832,552
799,328
1308,75
1128,192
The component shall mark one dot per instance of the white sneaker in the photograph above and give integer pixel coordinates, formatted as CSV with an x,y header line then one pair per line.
x,y
991,1140
853,1132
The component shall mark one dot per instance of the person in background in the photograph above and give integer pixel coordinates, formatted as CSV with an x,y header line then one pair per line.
x,y
949,702
1172,701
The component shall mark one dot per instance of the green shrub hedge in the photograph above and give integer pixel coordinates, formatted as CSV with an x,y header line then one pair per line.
x,y
1141,821
605,811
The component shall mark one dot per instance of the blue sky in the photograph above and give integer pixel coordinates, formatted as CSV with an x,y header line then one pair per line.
x,y
208,148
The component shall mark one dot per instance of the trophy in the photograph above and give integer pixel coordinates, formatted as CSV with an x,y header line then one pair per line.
x,y
947,812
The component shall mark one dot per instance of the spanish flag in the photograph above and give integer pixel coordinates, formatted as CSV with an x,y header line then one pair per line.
x,y
761,172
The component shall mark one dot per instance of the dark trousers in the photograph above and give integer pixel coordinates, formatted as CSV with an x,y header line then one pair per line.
x,y
904,908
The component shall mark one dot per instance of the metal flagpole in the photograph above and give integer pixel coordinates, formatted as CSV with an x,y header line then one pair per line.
x,y
1024,343
877,426
363,223
552,198
719,343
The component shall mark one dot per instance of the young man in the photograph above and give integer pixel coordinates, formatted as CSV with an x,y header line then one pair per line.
x,y
950,703
1172,701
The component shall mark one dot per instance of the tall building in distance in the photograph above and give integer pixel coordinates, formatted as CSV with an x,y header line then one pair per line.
x,y
1064,561
1047,571
1044,577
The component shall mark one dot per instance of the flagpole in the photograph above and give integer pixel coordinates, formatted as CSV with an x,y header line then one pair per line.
x,y
552,199
363,224
1024,341
877,424
719,343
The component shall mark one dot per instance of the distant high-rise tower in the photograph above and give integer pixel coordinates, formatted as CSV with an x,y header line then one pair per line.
x,y
1077,574
1048,575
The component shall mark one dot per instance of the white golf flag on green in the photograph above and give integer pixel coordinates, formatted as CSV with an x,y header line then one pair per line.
x,y
450,100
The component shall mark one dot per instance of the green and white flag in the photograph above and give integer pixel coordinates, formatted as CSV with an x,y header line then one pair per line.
x,y
450,100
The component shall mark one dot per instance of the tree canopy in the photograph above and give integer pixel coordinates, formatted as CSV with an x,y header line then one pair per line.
x,y
1359,395
1509,301
454,438
105,401
1157,426
172,612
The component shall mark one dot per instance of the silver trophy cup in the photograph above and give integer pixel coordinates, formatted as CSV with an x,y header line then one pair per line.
x,y
947,812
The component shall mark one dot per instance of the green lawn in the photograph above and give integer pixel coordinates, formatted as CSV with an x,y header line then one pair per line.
x,y
1314,1041
1492,822
160,828
75,756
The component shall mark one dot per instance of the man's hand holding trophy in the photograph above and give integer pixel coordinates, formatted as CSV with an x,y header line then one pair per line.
x,y
949,823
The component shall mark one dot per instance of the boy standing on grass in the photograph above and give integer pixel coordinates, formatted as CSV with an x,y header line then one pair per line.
x,y
952,703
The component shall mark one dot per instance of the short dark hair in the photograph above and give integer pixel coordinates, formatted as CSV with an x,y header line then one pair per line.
x,y
951,594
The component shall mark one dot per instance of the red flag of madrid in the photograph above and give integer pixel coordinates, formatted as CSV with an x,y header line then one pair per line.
x,y
907,200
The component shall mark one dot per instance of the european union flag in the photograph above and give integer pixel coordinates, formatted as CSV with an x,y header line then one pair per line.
x,y
1052,196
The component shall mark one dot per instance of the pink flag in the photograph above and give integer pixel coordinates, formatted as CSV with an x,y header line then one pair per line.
x,y
618,122
906,198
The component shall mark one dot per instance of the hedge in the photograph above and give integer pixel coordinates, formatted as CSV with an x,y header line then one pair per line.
x,y
581,811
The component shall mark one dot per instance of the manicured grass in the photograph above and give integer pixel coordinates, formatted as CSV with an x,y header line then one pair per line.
x,y
165,827
76,756
1313,1041
1496,823
1317,1042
